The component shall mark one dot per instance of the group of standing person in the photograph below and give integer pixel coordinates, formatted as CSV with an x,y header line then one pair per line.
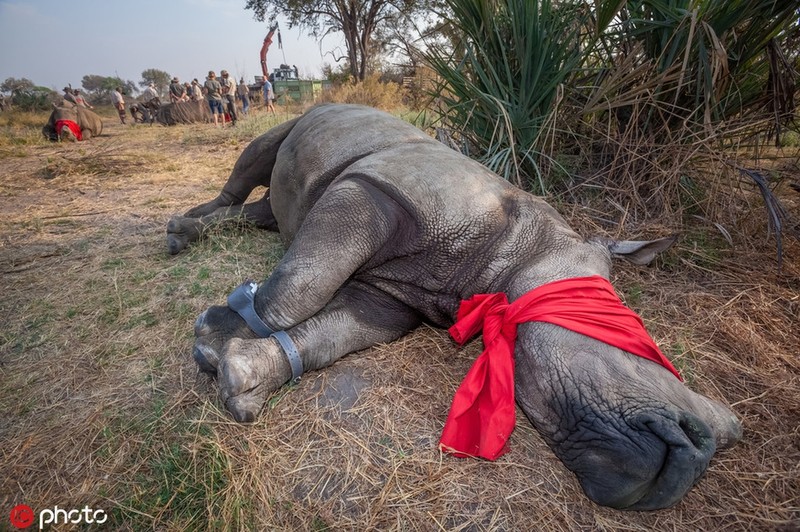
x,y
221,95
186,92
74,96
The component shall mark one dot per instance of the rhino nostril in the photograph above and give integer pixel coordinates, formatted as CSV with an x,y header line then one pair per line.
x,y
698,433
659,458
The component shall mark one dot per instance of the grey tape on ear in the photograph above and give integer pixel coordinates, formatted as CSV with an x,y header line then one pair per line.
x,y
291,353
242,301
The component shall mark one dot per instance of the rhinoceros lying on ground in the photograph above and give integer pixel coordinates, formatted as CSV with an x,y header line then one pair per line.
x,y
183,113
72,122
387,228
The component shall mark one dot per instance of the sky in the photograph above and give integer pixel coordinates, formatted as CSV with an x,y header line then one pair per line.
x,y
56,43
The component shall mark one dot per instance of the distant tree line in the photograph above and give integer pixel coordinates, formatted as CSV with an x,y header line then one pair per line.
x,y
24,94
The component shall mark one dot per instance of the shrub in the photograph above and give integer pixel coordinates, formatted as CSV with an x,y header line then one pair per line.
x,y
34,99
372,92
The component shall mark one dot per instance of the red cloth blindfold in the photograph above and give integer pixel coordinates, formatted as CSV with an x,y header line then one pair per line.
x,y
482,415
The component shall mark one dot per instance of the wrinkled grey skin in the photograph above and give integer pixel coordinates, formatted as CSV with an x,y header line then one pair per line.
x,y
387,228
183,113
91,125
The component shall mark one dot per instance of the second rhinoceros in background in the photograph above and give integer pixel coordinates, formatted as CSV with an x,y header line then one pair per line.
x,y
72,122
386,229
189,112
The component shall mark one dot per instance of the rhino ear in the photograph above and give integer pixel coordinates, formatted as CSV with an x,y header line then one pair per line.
x,y
641,252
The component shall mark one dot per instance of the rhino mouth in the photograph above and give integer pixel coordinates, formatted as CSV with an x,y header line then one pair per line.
x,y
636,437
649,466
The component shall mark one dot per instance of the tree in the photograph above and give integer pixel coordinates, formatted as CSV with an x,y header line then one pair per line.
x,y
100,87
14,85
158,78
27,96
361,21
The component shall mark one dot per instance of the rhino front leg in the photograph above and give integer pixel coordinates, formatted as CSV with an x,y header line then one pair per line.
x,y
357,318
182,231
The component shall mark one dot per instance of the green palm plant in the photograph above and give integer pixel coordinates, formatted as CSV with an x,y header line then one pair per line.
x,y
501,81
717,48
671,83
640,96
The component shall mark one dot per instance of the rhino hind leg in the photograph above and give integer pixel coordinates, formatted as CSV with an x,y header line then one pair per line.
x,y
357,318
252,169
182,230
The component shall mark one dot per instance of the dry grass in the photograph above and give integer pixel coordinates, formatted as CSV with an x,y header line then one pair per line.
x,y
372,92
103,406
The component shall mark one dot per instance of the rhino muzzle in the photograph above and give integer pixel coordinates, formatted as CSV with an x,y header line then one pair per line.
x,y
650,468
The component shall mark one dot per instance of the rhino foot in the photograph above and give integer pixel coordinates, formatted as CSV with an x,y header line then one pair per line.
x,y
213,329
249,371
206,357
181,232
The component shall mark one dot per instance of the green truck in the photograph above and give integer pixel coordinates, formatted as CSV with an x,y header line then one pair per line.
x,y
288,88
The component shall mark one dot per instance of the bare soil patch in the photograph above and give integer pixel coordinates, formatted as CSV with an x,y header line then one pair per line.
x,y
103,406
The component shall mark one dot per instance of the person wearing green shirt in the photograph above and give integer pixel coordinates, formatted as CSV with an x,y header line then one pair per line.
x,y
214,97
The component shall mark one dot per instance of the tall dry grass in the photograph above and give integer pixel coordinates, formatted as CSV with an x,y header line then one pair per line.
x,y
373,92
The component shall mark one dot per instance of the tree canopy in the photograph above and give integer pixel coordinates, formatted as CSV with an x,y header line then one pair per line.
x,y
27,96
102,86
14,85
366,24
158,78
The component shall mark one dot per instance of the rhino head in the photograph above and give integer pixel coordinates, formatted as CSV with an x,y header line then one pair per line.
x,y
636,437
89,123
634,434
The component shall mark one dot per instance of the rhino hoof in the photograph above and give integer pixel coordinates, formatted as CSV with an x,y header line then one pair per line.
x,y
180,232
174,245
243,408
206,358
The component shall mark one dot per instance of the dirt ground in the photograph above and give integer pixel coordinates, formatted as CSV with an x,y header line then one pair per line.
x,y
101,404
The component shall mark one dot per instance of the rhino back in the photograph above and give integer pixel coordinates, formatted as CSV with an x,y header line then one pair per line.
x,y
89,120
464,231
322,144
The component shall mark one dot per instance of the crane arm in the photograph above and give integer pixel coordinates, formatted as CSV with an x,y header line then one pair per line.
x,y
265,48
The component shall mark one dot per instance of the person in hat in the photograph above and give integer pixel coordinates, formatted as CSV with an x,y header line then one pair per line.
x,y
150,92
119,103
214,97
177,92
196,94
80,100
243,93
69,96
229,95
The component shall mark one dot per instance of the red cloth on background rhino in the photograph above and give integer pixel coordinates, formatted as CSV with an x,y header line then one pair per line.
x,y
482,416
76,130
